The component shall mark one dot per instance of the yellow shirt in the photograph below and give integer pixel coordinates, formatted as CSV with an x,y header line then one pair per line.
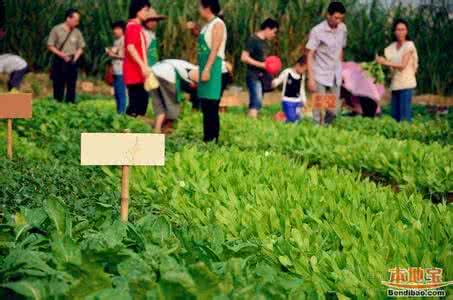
x,y
403,79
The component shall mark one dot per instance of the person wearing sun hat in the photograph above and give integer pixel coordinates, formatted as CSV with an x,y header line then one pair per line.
x,y
150,25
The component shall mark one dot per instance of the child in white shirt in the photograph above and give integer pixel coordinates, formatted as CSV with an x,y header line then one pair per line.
x,y
293,94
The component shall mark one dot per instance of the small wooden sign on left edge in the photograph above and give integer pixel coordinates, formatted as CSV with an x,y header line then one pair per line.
x,y
14,106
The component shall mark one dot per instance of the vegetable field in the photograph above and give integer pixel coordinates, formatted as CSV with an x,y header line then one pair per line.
x,y
274,211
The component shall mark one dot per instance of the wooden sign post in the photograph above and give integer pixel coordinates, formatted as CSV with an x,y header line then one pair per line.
x,y
14,106
125,150
323,102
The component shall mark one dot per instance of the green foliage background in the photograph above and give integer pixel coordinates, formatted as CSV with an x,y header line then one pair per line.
x,y
29,22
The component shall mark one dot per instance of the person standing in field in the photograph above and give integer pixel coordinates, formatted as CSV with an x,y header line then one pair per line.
x,y
325,56
211,53
116,53
135,68
254,55
227,67
401,56
150,25
66,43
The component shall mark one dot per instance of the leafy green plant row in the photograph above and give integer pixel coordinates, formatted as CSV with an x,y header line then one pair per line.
x,y
59,238
216,221
57,127
410,165
428,132
340,233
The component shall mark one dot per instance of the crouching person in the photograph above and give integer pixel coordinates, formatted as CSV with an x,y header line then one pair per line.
x,y
16,67
175,77
293,94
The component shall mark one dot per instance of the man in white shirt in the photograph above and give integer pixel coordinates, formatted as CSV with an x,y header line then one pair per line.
x,y
16,67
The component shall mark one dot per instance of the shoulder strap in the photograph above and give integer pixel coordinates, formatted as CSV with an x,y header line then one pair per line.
x,y
64,42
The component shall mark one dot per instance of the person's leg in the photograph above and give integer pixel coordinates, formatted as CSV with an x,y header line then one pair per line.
x,y
406,105
369,107
211,119
255,88
216,120
158,109
58,79
71,82
227,79
331,114
320,89
143,100
120,93
396,114
289,108
134,93
16,78
298,111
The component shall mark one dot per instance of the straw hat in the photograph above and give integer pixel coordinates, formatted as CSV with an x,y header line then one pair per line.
x,y
153,16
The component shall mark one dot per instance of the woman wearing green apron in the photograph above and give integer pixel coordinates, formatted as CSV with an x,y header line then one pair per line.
x,y
150,28
211,53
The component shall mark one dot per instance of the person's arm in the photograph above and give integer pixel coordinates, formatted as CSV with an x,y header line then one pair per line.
x,y
303,94
58,53
51,46
136,57
131,42
113,55
247,59
312,45
280,79
217,37
345,43
80,45
399,66
78,54
194,28
310,70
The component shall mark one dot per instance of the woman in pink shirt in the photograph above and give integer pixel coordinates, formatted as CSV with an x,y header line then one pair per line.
x,y
135,68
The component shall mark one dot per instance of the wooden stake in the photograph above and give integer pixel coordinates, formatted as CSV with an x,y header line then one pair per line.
x,y
125,195
10,139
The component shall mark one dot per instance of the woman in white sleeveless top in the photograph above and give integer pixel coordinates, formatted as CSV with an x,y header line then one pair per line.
x,y
211,53
401,56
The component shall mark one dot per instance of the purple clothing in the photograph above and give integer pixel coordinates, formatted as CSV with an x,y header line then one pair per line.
x,y
359,83
327,44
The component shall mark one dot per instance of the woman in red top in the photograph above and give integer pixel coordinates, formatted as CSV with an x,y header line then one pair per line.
x,y
135,67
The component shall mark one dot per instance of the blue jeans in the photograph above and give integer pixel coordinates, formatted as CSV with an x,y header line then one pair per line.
x,y
255,87
292,111
402,105
120,93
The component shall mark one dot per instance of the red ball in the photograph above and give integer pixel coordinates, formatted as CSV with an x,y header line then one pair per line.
x,y
273,65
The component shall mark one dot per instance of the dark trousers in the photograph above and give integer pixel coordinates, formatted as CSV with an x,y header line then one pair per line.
x,y
369,107
16,77
211,119
138,100
64,77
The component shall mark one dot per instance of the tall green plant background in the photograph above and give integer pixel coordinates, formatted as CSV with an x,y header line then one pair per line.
x,y
28,23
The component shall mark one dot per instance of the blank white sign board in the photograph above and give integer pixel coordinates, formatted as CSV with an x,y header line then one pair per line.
x,y
122,149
